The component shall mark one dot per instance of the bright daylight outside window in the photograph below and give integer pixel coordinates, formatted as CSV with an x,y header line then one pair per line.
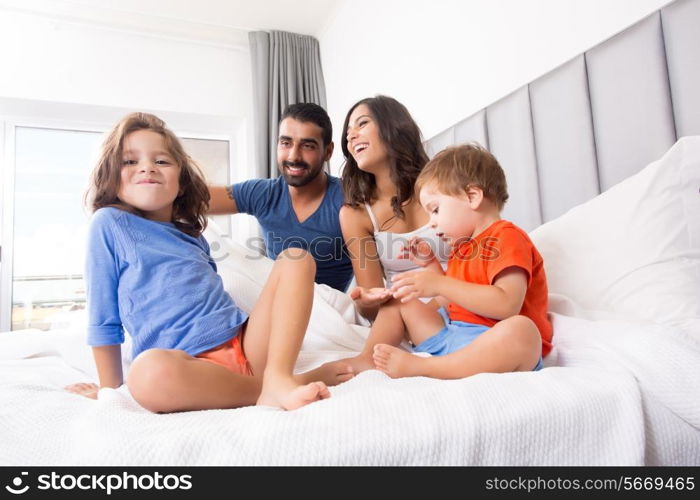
x,y
52,168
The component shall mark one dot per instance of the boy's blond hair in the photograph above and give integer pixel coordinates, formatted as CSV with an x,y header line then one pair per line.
x,y
455,169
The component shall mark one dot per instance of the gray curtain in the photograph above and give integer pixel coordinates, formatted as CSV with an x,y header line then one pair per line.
x,y
286,70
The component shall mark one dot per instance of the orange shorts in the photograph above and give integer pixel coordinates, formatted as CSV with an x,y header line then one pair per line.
x,y
230,355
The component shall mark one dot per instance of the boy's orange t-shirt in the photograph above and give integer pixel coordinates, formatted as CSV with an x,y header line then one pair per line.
x,y
479,260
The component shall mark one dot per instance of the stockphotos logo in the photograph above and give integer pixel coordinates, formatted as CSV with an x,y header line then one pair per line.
x,y
107,483
17,488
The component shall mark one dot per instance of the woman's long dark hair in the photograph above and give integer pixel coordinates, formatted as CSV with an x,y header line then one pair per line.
x,y
407,157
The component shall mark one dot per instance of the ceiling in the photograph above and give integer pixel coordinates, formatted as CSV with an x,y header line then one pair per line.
x,y
217,21
301,16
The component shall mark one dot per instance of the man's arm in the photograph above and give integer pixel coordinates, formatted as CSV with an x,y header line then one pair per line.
x,y
222,200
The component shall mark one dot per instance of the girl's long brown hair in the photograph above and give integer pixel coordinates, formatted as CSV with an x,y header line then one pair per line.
x,y
403,141
192,203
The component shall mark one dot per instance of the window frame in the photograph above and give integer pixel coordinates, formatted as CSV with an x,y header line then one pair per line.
x,y
8,130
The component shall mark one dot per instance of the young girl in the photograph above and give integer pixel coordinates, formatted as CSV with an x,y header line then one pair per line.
x,y
149,272
383,218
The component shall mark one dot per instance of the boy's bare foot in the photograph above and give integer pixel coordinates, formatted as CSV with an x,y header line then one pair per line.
x,y
396,362
289,395
331,373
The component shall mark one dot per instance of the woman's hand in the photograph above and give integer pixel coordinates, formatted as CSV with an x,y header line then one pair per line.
x,y
88,390
370,297
418,251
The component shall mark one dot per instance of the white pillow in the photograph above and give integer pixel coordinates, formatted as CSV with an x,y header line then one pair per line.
x,y
333,326
243,271
634,250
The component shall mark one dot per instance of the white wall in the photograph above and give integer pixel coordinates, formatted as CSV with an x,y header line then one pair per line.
x,y
56,71
49,60
446,59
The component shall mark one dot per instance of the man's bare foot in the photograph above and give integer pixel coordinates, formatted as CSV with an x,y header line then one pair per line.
x,y
396,362
289,395
331,373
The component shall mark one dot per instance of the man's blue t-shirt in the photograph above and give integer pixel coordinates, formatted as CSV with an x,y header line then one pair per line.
x,y
269,201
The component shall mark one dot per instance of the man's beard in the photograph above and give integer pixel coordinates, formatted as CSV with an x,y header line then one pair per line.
x,y
300,180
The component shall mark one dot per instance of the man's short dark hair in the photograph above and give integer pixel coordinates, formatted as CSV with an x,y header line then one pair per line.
x,y
310,112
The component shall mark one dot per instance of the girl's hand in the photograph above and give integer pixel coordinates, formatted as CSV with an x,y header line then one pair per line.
x,y
413,284
418,251
84,389
370,297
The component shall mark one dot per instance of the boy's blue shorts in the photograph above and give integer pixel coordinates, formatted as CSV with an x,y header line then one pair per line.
x,y
454,336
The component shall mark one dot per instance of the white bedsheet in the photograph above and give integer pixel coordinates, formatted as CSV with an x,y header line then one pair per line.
x,y
612,394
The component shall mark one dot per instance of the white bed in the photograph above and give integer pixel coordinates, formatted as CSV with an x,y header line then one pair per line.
x,y
620,387
622,384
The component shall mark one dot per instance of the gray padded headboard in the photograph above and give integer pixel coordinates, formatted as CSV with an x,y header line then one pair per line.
x,y
595,120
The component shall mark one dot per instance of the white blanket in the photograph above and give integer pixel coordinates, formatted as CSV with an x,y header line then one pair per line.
x,y
612,393
610,400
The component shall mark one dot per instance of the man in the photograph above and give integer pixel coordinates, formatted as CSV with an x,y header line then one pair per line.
x,y
300,208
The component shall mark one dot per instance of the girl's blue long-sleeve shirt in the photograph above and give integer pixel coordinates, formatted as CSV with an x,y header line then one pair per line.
x,y
157,283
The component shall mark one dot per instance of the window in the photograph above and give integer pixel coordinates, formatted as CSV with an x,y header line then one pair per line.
x,y
212,156
43,244
51,172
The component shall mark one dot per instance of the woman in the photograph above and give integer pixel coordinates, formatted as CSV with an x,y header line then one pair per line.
x,y
383,157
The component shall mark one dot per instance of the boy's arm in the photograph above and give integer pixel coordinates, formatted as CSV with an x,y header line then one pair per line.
x,y
434,267
501,300
440,301
419,252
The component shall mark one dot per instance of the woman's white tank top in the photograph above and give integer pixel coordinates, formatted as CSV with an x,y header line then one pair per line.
x,y
389,247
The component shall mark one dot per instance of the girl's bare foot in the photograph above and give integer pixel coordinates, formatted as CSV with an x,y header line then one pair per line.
x,y
289,395
396,362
